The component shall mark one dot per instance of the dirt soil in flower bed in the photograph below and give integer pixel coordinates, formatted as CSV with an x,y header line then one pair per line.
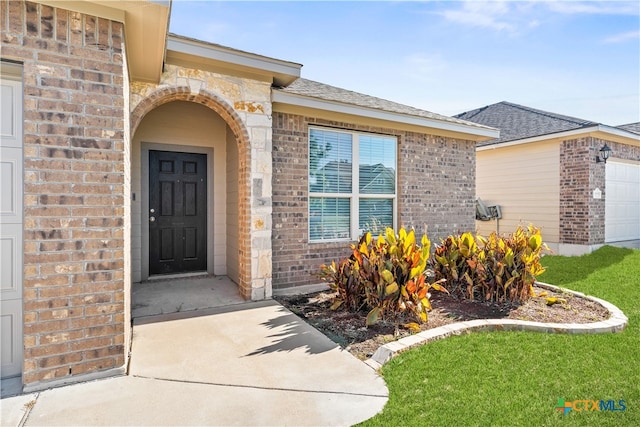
x,y
349,330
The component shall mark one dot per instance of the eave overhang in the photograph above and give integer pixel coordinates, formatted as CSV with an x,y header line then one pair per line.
x,y
212,57
146,23
469,131
600,131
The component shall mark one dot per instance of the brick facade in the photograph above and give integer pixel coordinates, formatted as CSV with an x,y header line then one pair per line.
x,y
73,194
582,217
574,197
78,126
436,192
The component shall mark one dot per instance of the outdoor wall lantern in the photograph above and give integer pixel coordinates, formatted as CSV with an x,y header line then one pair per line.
x,y
605,152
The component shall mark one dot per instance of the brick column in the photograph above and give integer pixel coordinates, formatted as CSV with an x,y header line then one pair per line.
x,y
73,194
581,216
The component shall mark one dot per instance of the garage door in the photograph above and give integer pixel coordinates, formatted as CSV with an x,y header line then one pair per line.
x,y
11,223
622,203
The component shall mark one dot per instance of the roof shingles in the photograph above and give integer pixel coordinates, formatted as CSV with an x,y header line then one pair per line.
x,y
519,122
325,92
631,127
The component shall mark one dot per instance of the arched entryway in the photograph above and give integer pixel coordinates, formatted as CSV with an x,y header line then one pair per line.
x,y
175,124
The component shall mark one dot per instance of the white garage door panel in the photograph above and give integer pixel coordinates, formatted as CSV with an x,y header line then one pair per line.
x,y
11,329
11,185
10,91
11,191
622,203
11,253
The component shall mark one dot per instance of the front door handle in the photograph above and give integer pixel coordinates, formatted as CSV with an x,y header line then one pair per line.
x,y
152,218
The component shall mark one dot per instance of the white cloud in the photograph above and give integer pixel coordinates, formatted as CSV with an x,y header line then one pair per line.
x,y
623,37
481,14
595,7
516,16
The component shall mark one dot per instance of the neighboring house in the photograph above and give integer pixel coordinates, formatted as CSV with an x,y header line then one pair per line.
x,y
543,170
128,152
631,127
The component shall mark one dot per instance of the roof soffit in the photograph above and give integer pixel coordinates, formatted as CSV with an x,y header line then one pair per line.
x,y
145,24
288,102
212,57
603,132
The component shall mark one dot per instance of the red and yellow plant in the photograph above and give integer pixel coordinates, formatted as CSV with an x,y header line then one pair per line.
x,y
385,275
495,269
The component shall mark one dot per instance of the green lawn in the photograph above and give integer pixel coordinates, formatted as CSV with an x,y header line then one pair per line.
x,y
516,378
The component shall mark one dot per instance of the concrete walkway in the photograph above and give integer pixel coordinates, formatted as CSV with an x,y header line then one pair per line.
x,y
254,364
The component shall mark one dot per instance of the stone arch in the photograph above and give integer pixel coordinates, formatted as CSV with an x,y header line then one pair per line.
x,y
183,93
235,123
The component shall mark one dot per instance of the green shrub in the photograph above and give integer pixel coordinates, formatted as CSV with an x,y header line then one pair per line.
x,y
496,269
385,276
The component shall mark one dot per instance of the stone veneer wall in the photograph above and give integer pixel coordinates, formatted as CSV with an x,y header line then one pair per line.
x,y
73,194
245,105
582,218
436,191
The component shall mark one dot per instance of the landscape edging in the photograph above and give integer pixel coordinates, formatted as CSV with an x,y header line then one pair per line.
x,y
616,322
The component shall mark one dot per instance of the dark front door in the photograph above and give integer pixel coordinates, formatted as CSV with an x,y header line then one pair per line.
x,y
177,212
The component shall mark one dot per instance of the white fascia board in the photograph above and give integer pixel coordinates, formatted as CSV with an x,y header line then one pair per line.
x,y
619,132
338,107
563,135
220,53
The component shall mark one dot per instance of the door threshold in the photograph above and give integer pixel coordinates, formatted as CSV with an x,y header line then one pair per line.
x,y
177,276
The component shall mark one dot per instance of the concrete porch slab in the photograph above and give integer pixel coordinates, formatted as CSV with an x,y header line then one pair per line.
x,y
263,346
182,294
253,364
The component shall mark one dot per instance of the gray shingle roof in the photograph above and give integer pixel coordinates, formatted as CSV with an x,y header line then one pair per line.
x,y
325,92
519,122
631,127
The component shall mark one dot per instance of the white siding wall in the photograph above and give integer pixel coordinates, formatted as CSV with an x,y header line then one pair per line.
x,y
525,181
185,124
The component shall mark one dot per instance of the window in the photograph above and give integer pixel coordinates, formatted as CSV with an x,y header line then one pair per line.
x,y
345,201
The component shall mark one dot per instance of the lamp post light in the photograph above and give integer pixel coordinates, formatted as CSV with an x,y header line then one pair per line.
x,y
605,152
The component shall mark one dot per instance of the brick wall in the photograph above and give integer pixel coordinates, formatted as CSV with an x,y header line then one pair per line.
x,y
436,190
575,197
582,218
597,179
73,194
437,184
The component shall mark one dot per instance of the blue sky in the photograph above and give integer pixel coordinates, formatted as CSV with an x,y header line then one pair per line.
x,y
578,58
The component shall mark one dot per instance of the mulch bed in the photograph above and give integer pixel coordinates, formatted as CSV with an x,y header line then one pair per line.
x,y
349,330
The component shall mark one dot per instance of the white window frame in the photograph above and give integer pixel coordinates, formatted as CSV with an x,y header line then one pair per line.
x,y
354,196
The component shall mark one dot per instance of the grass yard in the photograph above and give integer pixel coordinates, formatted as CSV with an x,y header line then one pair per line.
x,y
516,378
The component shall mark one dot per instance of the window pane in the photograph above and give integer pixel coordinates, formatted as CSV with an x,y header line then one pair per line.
x,y
375,215
330,169
329,218
377,165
